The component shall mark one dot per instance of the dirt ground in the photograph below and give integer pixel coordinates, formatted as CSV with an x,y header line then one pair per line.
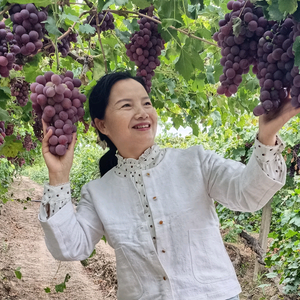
x,y
22,246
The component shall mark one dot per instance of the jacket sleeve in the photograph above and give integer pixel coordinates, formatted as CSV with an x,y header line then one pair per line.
x,y
71,235
245,188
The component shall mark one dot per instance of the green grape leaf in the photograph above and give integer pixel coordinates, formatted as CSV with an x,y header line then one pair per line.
x,y
11,146
47,290
99,68
288,7
51,27
274,12
100,5
141,3
296,49
87,28
4,116
237,24
124,36
37,2
69,17
169,21
184,65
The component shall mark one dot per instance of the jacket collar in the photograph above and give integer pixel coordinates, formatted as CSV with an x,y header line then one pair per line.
x,y
149,159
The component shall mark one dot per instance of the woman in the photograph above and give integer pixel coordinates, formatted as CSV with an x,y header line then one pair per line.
x,y
156,206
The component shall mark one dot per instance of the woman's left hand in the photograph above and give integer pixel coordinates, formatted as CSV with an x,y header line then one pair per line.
x,y
271,123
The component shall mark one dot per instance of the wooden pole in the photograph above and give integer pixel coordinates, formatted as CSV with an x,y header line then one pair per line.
x,y
263,235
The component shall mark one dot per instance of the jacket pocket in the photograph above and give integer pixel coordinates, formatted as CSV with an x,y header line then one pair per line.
x,y
209,258
129,284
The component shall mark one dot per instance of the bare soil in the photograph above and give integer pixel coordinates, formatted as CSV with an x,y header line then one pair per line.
x,y
22,246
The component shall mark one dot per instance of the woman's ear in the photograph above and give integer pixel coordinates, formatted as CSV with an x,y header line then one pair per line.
x,y
100,125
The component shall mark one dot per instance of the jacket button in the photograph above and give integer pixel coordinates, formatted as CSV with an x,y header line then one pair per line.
x,y
163,251
165,278
154,198
148,174
160,222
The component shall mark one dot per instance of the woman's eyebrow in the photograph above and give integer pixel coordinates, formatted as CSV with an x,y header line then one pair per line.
x,y
130,100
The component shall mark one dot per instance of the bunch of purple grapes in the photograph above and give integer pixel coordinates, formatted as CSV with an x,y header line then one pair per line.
x,y
37,126
2,132
27,142
57,100
295,164
64,44
28,27
275,66
20,89
9,129
239,50
8,50
144,48
106,21
268,46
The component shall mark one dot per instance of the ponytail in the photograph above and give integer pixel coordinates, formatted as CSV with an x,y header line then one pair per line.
x,y
109,159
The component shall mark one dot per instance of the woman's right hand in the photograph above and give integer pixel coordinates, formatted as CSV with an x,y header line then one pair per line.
x,y
59,167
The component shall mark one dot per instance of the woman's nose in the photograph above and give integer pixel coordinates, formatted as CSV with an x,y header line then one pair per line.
x,y
141,113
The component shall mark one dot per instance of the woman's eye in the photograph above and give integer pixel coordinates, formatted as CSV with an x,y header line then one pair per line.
x,y
126,105
148,103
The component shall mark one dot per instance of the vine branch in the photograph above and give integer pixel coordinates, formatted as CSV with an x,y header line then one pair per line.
x,y
159,22
6,9
99,38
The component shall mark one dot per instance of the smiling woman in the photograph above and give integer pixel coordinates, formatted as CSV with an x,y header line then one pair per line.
x,y
156,206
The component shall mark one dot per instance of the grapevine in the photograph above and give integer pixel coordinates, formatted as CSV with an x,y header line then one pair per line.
x,y
57,100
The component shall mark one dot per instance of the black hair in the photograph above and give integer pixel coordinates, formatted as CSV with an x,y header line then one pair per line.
x,y
98,102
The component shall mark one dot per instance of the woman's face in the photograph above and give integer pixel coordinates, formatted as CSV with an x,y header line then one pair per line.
x,y
130,120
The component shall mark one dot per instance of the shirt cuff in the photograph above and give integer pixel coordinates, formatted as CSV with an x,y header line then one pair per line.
x,y
264,153
54,198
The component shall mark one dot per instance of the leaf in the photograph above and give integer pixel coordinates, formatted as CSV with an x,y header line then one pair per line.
x,y
87,28
11,146
4,116
287,7
37,2
100,5
18,273
60,287
237,24
51,27
124,36
104,238
274,12
93,253
169,21
99,68
47,290
296,49
184,65
132,26
69,17
141,3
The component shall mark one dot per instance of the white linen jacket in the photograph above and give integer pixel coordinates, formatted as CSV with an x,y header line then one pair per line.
x,y
191,262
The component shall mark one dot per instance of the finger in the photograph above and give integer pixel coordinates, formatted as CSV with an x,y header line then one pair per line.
x,y
74,139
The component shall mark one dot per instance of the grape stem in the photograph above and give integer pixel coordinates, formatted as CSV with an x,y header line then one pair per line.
x,y
243,8
6,9
99,38
159,22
